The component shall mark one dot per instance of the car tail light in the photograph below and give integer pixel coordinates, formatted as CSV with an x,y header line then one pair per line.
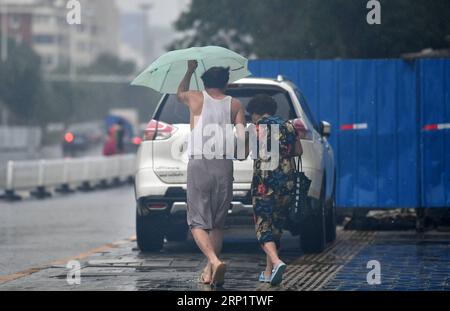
x,y
302,130
137,141
69,138
157,130
156,206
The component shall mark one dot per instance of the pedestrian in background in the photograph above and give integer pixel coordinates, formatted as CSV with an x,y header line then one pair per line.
x,y
109,147
120,137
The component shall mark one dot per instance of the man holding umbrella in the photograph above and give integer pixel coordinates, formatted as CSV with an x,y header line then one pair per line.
x,y
210,171
213,119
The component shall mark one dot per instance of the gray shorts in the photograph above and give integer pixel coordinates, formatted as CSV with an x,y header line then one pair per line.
x,y
209,192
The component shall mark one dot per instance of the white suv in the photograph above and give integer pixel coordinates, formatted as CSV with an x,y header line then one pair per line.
x,y
160,183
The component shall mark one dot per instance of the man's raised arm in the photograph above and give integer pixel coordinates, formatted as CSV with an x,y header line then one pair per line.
x,y
183,89
241,134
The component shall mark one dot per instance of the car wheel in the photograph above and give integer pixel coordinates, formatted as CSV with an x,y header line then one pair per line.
x,y
312,235
177,231
150,232
330,216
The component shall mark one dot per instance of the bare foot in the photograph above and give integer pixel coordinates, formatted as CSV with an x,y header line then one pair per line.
x,y
206,276
218,273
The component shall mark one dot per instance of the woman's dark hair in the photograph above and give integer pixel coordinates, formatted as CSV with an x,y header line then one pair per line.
x,y
262,104
216,78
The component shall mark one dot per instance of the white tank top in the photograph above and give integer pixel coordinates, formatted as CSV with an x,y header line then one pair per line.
x,y
209,136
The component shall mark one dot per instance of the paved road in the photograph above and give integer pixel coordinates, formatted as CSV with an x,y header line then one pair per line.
x,y
408,262
38,238
34,232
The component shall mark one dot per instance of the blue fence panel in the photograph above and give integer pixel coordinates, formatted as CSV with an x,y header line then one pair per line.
x,y
309,81
289,70
447,132
377,165
366,152
328,93
345,150
386,129
435,112
407,135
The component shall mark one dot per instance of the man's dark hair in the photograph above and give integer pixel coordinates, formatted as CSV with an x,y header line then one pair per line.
x,y
262,104
216,78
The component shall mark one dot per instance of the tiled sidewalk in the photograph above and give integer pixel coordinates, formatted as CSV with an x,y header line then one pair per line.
x,y
408,262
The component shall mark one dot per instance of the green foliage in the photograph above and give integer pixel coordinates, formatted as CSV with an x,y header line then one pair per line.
x,y
22,87
315,29
109,64
81,101
34,101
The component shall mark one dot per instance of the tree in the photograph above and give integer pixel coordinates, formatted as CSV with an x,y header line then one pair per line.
x,y
106,64
22,89
314,29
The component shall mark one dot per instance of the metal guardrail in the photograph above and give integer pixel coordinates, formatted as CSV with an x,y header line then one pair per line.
x,y
65,174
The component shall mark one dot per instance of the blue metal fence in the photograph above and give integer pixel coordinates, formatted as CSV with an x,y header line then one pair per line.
x,y
434,95
385,155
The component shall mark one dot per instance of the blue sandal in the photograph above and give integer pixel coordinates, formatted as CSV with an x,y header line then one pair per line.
x,y
263,278
277,274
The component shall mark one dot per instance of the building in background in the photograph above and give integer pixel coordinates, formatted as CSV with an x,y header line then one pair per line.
x,y
133,30
42,24
18,23
107,25
50,33
147,28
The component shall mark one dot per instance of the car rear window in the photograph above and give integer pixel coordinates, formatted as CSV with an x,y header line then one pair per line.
x,y
173,112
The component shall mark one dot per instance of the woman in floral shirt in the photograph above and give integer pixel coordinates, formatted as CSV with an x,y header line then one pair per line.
x,y
272,189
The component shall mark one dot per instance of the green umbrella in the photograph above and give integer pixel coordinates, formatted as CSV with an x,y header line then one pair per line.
x,y
166,73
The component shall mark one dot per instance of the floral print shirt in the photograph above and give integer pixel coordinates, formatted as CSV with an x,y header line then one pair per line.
x,y
279,181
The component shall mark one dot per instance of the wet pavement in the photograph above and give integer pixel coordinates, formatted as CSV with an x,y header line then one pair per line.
x,y
34,232
39,237
408,261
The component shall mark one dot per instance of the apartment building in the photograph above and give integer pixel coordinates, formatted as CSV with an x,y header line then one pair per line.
x,y
62,47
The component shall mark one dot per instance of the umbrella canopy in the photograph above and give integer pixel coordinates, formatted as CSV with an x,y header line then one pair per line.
x,y
165,74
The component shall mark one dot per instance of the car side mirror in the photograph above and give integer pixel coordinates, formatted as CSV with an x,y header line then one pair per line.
x,y
325,129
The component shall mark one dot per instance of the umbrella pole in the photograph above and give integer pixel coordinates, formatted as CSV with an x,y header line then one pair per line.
x,y
196,80
165,78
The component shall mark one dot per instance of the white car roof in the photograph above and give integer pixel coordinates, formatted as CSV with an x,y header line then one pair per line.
x,y
265,81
